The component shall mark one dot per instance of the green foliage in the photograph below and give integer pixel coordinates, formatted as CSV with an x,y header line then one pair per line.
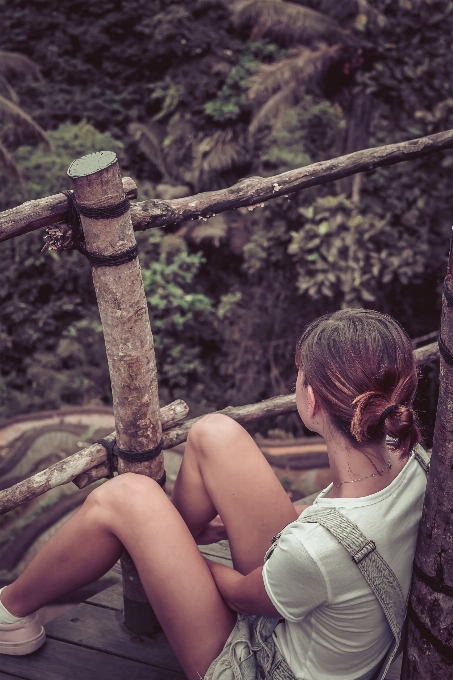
x,y
181,315
45,172
51,340
304,134
350,257
232,99
225,322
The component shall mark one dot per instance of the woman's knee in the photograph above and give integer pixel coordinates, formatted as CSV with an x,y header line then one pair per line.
x,y
211,430
116,494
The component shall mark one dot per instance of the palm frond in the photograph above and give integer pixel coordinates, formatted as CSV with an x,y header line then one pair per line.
x,y
285,22
149,142
343,11
305,68
270,110
217,154
10,112
18,64
8,89
272,77
9,164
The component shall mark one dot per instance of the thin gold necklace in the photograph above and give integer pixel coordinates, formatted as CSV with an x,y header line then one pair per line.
x,y
388,466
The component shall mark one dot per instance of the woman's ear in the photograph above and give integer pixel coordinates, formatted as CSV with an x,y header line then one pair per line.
x,y
312,403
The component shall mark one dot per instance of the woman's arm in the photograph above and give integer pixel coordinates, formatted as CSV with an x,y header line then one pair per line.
x,y
244,594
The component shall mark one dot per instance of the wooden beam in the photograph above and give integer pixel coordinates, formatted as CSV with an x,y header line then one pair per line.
x,y
96,181
44,212
92,459
250,191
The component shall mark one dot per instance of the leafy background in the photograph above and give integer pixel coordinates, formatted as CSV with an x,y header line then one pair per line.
x,y
193,96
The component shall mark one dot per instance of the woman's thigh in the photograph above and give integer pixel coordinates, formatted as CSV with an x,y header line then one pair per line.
x,y
224,472
176,578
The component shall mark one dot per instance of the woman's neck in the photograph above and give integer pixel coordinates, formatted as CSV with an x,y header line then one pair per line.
x,y
360,472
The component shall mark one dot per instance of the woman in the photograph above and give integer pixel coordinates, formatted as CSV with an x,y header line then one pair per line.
x,y
307,612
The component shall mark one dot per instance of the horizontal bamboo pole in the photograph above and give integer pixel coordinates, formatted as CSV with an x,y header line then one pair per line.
x,y
93,458
250,191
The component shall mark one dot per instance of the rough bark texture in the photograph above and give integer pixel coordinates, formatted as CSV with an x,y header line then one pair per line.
x,y
249,191
89,465
43,212
169,415
96,181
124,314
429,644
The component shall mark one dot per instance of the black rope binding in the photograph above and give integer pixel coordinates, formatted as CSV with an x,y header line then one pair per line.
x,y
106,212
433,583
131,456
446,354
445,650
108,446
138,457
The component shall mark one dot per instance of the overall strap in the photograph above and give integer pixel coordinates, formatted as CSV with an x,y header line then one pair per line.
x,y
373,567
422,458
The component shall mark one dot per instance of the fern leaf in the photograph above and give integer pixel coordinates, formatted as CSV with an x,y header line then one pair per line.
x,y
216,155
10,112
286,22
149,143
306,68
286,97
18,64
8,89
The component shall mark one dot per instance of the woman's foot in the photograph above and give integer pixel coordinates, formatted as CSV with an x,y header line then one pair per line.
x,y
19,636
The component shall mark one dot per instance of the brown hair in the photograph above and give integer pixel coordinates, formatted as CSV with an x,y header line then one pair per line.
x,y
360,362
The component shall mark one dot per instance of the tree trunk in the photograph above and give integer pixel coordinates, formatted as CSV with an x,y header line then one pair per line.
x,y
429,644
97,183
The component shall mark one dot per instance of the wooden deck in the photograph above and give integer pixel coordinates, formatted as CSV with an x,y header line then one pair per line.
x,y
90,642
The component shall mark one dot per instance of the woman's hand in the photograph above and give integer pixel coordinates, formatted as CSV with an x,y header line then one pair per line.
x,y
245,594
213,532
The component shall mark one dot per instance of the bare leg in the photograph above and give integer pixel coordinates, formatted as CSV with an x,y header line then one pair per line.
x,y
224,472
133,511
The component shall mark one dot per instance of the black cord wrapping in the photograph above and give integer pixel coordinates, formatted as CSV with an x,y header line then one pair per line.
x,y
107,212
138,457
108,446
445,650
131,456
433,583
446,354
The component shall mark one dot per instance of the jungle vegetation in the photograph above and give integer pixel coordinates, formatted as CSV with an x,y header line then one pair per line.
x,y
193,96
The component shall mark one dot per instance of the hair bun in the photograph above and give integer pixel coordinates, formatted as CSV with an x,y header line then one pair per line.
x,y
368,409
374,414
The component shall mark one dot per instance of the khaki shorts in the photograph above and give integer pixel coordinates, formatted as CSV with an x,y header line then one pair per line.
x,y
250,653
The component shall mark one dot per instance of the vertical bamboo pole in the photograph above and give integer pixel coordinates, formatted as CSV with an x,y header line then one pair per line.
x,y
429,644
96,181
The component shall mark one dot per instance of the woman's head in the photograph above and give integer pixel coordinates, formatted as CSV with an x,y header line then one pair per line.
x,y
360,363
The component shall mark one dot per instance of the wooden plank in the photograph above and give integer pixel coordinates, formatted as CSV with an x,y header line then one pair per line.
x,y
62,661
103,629
111,598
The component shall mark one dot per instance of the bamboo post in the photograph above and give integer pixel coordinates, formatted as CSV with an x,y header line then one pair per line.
x,y
429,643
96,181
